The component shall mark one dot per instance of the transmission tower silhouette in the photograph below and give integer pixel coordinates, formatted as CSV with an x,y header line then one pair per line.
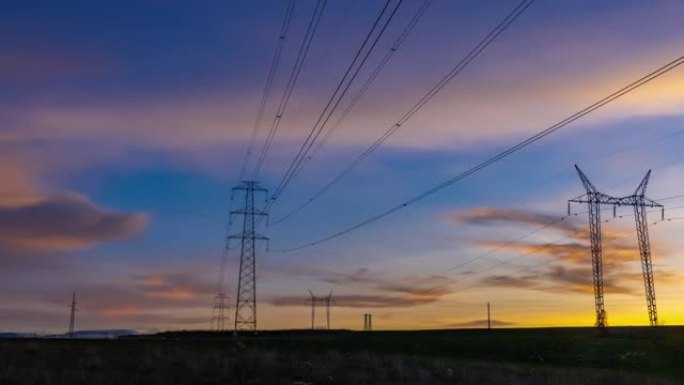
x,y
220,313
72,318
367,322
489,317
245,307
594,199
327,300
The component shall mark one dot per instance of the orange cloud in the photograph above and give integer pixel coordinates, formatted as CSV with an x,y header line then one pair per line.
x,y
572,272
16,184
174,286
174,293
122,311
571,252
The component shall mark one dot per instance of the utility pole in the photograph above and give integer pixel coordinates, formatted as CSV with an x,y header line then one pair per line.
x,y
489,317
594,199
245,307
313,310
327,310
72,319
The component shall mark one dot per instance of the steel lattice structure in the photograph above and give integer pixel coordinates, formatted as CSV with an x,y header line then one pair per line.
x,y
221,307
594,199
245,307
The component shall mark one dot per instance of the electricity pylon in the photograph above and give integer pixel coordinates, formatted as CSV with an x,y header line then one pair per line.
x,y
245,307
313,310
594,199
221,308
489,317
639,201
367,322
72,318
327,300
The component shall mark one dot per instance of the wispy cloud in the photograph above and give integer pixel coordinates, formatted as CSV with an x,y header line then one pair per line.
x,y
571,271
361,301
385,291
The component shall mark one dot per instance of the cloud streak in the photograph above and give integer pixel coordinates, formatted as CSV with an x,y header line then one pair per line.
x,y
387,292
571,272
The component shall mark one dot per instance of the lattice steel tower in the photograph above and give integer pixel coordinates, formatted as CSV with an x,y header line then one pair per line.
x,y
250,216
639,201
594,199
221,308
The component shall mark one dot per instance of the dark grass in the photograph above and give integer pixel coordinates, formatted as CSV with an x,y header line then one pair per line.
x,y
638,349
524,356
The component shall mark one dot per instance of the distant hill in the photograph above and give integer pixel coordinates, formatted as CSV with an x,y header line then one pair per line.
x,y
18,335
96,334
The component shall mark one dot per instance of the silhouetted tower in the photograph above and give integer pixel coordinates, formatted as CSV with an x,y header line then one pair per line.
x,y
313,310
367,322
245,307
219,314
594,199
221,308
327,301
489,317
72,318
639,201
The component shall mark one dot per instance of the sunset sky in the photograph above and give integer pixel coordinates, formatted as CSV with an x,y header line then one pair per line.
x,y
124,124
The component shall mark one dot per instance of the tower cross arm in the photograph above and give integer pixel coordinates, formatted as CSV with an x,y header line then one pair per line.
x,y
634,200
596,197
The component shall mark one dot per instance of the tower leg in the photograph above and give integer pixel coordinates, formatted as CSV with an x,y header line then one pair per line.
x,y
597,262
646,265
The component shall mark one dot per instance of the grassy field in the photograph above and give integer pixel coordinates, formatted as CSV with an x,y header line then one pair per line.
x,y
503,356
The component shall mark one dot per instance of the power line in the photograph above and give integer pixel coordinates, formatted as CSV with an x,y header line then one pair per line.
x,y
457,69
292,81
615,95
337,96
269,83
369,81
363,89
